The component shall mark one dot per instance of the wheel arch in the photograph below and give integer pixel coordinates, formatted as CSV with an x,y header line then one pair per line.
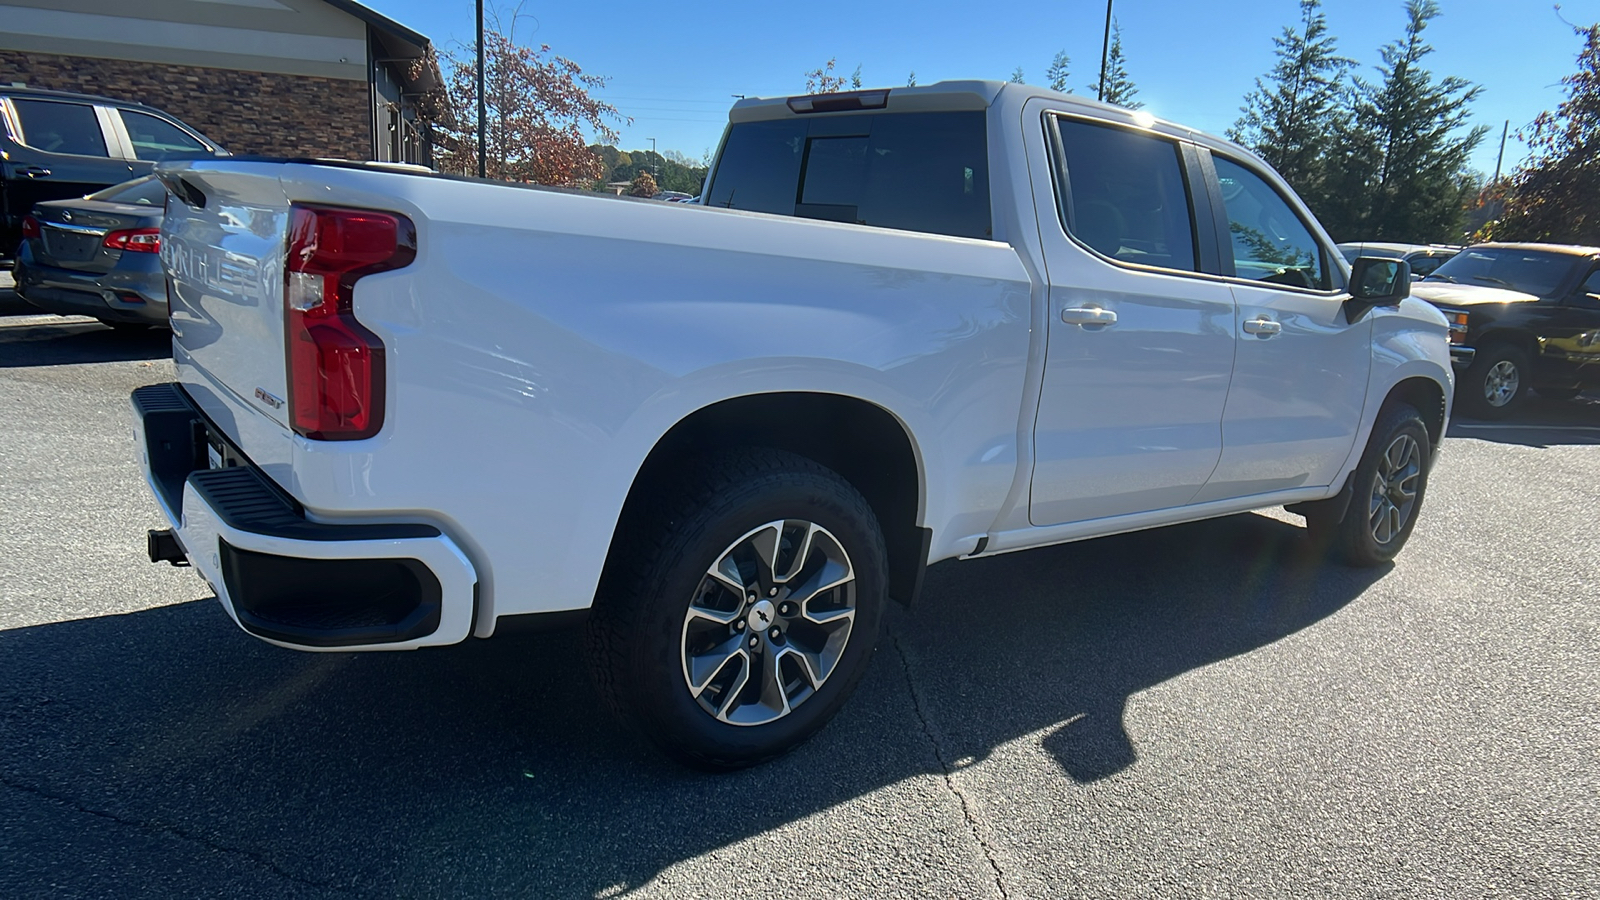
x,y
1428,398
1496,337
865,443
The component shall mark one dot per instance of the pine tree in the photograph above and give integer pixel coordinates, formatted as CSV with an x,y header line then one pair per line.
x,y
855,78
1555,196
1056,75
1016,75
1289,120
1399,163
1118,89
911,80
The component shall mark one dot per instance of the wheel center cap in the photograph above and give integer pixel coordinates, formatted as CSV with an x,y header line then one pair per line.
x,y
762,616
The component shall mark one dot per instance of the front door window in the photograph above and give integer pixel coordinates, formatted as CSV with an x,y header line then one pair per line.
x,y
1270,243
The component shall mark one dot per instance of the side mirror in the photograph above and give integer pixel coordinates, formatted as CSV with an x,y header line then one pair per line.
x,y
1376,281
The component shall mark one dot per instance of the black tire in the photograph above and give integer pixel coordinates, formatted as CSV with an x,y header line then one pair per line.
x,y
1482,390
640,628
1559,393
1359,539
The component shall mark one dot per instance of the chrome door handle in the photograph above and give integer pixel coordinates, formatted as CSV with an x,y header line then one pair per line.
x,y
1088,315
1262,326
36,172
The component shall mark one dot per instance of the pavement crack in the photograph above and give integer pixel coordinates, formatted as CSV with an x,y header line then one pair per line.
x,y
259,859
944,764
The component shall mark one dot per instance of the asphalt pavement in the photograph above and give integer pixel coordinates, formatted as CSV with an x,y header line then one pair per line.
x,y
1205,711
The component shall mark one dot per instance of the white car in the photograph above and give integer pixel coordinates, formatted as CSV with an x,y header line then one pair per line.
x,y
904,326
1422,258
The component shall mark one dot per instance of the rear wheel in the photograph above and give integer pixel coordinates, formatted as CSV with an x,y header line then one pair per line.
x,y
1497,382
1389,484
739,608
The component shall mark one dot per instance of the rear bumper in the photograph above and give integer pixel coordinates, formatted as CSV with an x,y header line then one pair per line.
x,y
280,575
135,291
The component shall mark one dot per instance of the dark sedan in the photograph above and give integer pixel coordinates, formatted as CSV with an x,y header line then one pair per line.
x,y
97,256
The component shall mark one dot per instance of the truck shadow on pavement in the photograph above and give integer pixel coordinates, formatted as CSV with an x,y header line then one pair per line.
x,y
492,768
32,342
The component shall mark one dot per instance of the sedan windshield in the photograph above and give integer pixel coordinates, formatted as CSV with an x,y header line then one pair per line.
x,y
1529,271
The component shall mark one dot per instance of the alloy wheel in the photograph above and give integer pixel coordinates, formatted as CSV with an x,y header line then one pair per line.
x,y
1394,489
1501,382
768,622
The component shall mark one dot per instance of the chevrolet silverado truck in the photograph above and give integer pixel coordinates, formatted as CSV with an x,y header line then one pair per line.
x,y
1521,316
903,326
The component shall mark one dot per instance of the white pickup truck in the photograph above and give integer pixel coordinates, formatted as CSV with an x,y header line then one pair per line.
x,y
903,326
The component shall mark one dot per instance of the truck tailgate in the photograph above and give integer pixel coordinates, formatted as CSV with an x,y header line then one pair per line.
x,y
223,243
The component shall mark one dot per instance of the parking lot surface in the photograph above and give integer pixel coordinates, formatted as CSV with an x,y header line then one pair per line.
x,y
1206,710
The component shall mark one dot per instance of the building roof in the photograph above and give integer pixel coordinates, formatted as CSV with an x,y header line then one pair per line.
x,y
398,44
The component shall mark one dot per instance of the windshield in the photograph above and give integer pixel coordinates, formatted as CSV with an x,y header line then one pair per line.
x,y
146,191
1529,271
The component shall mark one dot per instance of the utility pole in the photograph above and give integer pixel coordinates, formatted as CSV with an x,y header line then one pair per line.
x,y
1502,157
483,114
653,158
1105,47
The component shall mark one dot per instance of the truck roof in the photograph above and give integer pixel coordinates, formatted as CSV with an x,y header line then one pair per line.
x,y
963,95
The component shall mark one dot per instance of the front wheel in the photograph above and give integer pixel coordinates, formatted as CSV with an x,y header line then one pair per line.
x,y
1497,382
740,608
1390,482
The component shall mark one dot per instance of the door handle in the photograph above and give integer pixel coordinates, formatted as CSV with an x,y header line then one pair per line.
x,y
1088,315
1263,326
36,172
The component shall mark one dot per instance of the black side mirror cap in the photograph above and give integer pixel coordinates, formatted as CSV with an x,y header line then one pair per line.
x,y
1376,281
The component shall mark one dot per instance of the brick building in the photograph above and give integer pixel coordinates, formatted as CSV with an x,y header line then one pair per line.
x,y
327,78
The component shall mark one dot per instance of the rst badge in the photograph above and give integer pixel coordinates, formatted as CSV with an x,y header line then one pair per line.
x,y
268,399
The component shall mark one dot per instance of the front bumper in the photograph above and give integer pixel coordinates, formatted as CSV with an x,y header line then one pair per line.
x,y
1461,357
134,291
279,574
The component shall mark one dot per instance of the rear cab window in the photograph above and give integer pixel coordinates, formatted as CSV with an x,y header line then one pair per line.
x,y
915,171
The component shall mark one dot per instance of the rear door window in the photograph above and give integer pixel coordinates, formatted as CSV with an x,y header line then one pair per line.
x,y
154,137
923,172
1127,197
56,127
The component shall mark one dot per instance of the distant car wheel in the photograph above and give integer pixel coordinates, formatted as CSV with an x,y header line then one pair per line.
x,y
740,608
1559,393
1497,382
1389,484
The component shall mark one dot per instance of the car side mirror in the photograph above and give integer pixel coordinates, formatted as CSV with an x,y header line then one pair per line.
x,y
1376,281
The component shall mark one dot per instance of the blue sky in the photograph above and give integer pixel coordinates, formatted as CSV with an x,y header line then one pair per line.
x,y
674,67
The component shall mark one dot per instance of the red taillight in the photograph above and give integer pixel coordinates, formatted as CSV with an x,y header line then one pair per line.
x,y
30,228
137,240
335,364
